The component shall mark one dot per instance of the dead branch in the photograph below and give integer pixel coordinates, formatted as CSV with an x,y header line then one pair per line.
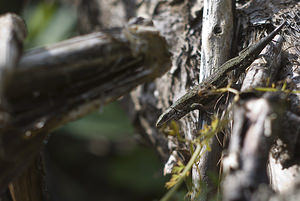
x,y
217,34
62,82
256,126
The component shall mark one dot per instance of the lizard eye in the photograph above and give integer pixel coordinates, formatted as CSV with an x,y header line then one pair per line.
x,y
177,112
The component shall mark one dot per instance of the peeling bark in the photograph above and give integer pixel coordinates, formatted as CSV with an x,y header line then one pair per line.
x,y
255,127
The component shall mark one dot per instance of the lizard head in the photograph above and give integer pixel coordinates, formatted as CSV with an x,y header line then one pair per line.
x,y
165,117
181,107
172,114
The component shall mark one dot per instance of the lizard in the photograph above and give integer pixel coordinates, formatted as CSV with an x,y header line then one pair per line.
x,y
198,96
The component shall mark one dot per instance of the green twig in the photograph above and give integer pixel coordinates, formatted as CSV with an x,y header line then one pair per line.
x,y
187,168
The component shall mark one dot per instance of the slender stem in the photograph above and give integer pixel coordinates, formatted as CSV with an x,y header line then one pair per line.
x,y
187,168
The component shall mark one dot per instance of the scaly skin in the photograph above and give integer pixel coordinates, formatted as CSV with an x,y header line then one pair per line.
x,y
201,95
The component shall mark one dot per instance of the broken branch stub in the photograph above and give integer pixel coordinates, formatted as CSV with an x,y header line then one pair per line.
x,y
257,122
62,82
256,125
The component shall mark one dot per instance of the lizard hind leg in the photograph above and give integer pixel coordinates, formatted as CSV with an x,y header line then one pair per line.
x,y
197,106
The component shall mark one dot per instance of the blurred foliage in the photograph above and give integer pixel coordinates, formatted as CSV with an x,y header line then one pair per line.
x,y
132,170
48,22
110,121
98,168
96,157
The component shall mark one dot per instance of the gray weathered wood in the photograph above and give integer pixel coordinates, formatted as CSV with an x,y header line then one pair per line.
x,y
263,71
217,35
256,124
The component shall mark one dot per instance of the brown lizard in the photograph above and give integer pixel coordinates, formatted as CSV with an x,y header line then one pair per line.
x,y
200,95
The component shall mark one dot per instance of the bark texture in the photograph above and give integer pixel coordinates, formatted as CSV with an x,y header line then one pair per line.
x,y
181,22
256,118
217,35
59,83
256,126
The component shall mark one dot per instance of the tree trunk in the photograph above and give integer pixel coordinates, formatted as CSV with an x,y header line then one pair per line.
x,y
183,23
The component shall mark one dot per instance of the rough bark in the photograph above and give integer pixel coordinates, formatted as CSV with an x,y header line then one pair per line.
x,y
250,146
217,35
255,126
181,22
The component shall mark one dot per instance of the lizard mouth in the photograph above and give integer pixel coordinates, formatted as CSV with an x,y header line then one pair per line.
x,y
165,117
168,115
